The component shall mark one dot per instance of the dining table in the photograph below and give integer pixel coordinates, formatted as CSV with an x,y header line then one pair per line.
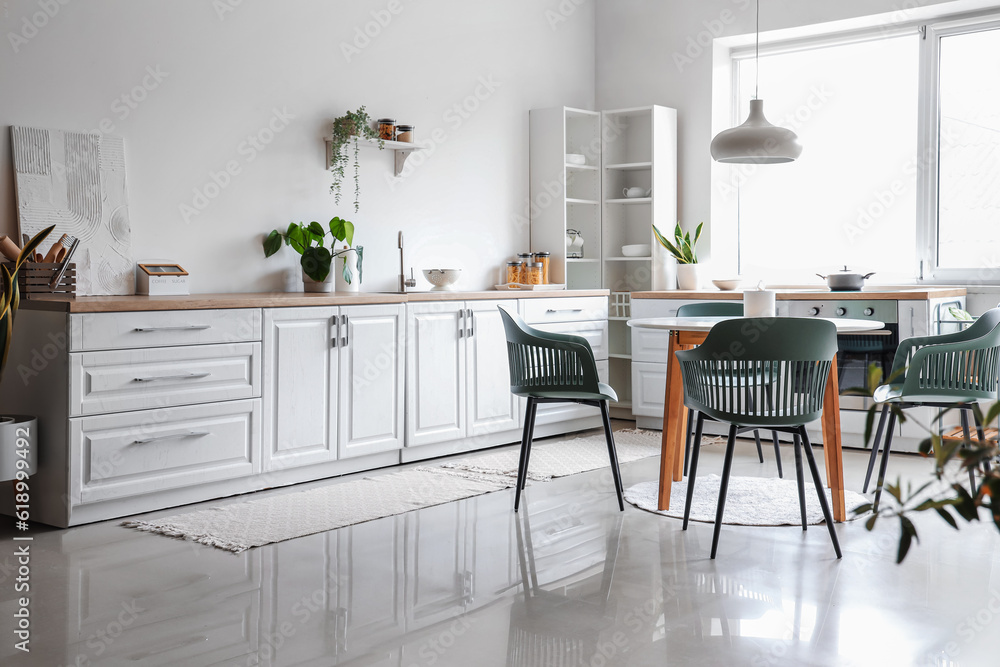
x,y
688,332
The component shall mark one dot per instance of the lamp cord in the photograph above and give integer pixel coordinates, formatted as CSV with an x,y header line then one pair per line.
x,y
756,55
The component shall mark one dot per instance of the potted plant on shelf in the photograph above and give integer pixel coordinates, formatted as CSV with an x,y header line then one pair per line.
x,y
683,250
18,433
317,260
349,129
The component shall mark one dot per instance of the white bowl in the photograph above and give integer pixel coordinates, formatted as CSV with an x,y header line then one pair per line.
x,y
576,158
727,284
442,279
637,250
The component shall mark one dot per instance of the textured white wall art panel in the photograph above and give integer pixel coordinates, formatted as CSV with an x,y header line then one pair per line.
x,y
76,181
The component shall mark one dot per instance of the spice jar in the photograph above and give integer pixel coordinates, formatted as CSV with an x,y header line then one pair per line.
x,y
513,274
387,128
404,133
543,257
534,273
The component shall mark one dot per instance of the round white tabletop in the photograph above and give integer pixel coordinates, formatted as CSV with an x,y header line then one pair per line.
x,y
843,325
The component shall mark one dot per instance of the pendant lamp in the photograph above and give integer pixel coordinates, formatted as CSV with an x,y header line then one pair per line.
x,y
756,141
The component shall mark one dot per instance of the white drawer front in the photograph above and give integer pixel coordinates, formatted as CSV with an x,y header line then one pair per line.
x,y
650,345
649,382
596,334
116,331
148,451
567,309
118,381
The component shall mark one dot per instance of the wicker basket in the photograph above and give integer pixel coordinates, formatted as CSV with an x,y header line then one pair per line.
x,y
34,278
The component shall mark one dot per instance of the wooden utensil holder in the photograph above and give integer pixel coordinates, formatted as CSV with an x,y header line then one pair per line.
x,y
34,277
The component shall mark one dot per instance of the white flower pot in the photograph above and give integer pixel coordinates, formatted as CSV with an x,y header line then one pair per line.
x,y
689,276
310,285
351,258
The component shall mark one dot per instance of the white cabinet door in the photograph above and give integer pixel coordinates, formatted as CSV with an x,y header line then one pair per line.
x,y
649,382
371,379
300,385
492,408
435,372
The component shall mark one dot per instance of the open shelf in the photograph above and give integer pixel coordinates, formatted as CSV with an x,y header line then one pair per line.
x,y
627,259
581,167
401,150
629,166
581,201
633,200
581,259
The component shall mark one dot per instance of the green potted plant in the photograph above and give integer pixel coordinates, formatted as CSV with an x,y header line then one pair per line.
x,y
349,129
683,250
18,433
317,259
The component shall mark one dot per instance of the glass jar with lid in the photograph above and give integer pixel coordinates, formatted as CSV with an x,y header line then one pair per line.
x,y
387,128
512,275
543,257
534,274
524,259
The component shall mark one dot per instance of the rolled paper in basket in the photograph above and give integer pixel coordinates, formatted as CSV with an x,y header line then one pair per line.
x,y
9,248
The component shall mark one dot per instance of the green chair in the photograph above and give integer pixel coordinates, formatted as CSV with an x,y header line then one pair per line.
x,y
721,309
947,371
785,356
554,368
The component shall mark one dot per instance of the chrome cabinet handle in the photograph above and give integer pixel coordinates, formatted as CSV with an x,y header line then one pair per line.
x,y
336,335
193,327
470,323
172,436
162,378
564,310
461,323
345,339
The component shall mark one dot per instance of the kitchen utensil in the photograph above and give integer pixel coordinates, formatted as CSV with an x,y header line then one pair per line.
x,y
62,244
24,240
65,263
9,248
442,279
637,250
727,284
633,193
574,244
576,158
846,280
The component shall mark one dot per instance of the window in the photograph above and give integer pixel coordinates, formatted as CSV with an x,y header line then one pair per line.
x,y
900,171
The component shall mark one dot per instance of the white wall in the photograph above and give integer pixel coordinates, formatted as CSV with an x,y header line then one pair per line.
x,y
660,52
228,64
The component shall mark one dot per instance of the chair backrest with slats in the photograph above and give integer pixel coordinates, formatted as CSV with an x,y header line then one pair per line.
x,y
961,371
540,361
761,371
710,309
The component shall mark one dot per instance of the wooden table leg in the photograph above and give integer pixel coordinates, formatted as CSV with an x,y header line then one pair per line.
x,y
673,412
832,444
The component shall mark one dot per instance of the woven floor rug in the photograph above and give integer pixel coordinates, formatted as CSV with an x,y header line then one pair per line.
x,y
751,501
240,526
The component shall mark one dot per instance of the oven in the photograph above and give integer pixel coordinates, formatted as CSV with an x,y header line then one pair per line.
x,y
856,352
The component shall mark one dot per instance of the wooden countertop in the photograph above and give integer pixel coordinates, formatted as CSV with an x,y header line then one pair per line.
x,y
112,304
888,293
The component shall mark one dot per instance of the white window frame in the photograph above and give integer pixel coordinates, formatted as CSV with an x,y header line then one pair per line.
x,y
927,270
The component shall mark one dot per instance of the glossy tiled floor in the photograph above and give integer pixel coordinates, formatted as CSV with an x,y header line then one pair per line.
x,y
446,586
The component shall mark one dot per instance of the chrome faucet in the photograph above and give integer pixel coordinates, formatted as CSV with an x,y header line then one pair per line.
x,y
404,282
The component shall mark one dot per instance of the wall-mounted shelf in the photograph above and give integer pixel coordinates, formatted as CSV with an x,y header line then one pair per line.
x,y
570,200
402,150
580,167
629,200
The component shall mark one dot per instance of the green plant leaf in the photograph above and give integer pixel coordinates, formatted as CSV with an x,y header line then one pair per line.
x,y
361,256
949,519
960,315
296,238
906,537
342,230
316,263
272,243
671,248
317,232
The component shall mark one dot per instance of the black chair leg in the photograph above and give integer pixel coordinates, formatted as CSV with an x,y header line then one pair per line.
x,y
694,469
727,468
820,491
522,465
687,440
968,438
885,460
774,434
875,446
612,454
800,480
760,451
531,437
982,438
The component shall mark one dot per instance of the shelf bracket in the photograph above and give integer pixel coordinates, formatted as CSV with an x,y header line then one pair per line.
x,y
401,149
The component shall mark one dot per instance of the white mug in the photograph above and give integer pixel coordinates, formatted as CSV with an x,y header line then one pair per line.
x,y
759,303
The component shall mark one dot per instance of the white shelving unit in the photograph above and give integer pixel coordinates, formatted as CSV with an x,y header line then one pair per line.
x,y
639,150
566,196
624,148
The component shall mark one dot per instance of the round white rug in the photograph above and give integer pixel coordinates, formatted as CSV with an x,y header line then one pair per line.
x,y
751,501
